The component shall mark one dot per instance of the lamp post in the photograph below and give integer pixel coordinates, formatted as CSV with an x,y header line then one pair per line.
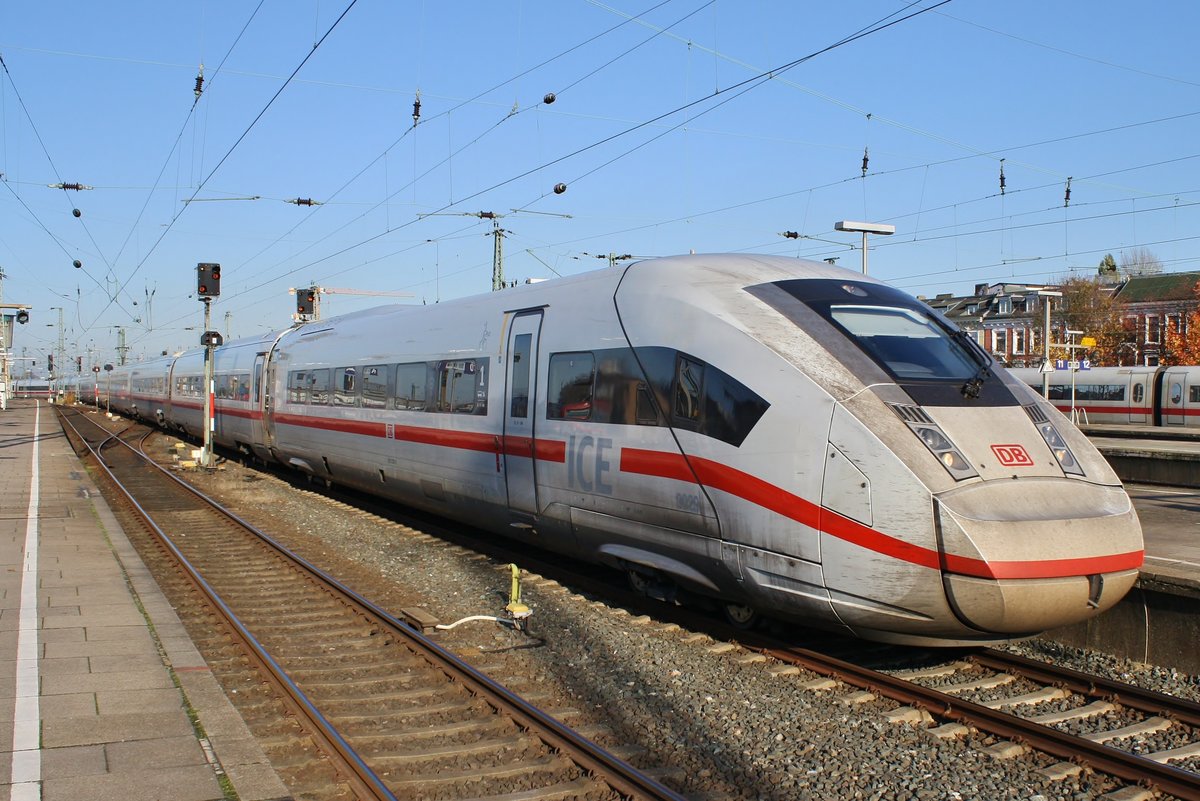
x,y
1046,369
865,228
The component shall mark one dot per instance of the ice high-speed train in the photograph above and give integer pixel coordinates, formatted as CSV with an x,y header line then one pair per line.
x,y
1140,396
783,436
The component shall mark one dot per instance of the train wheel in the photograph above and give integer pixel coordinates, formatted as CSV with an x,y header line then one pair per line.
x,y
641,582
652,585
740,616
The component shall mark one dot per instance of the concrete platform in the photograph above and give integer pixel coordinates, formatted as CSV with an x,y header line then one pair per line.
x,y
99,681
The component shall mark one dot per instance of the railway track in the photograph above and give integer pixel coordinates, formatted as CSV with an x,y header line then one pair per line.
x,y
396,714
1140,737
1084,720
1143,738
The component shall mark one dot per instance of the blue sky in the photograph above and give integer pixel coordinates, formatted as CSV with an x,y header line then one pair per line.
x,y
662,139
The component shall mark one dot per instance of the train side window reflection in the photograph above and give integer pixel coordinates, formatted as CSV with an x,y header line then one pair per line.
x,y
375,386
1139,392
410,386
570,386
647,413
519,407
462,386
319,388
298,386
1194,394
345,386
689,385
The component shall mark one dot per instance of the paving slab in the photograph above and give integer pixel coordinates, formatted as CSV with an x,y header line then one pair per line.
x,y
112,698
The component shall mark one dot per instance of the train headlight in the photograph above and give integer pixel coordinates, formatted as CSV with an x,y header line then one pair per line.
x,y
934,440
945,451
921,424
954,461
1058,446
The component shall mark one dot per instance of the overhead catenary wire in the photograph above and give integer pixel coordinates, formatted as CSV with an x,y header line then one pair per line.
x,y
751,82
417,177
234,146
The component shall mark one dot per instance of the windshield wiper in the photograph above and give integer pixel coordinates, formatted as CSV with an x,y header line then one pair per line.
x,y
971,388
974,384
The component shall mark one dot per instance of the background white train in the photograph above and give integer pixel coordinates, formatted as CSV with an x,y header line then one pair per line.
x,y
1148,396
781,435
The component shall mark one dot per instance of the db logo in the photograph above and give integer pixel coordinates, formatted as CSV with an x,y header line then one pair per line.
x,y
1012,455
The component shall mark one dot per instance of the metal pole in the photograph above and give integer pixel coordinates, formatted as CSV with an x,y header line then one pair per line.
x,y
1046,349
206,453
1070,364
497,256
864,256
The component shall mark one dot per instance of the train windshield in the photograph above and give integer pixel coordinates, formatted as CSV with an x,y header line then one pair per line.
x,y
909,344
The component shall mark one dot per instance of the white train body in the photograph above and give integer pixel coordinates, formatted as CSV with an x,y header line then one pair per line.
x,y
779,434
1143,396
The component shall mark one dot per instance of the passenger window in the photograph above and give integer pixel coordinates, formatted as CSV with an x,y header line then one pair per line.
x,y
298,386
1194,394
319,388
410,386
689,383
462,387
731,408
646,414
569,386
375,386
345,386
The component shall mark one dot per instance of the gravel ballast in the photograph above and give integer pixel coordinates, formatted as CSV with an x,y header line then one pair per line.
x,y
719,722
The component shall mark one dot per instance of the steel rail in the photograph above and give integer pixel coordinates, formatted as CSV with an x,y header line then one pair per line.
x,y
1121,764
363,780
618,774
1148,701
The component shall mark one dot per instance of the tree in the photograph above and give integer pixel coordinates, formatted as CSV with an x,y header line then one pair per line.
x,y
1088,306
1140,261
1108,272
1183,347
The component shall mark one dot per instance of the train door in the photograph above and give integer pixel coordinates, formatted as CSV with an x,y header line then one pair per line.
x,y
520,382
260,398
268,405
1174,400
1139,398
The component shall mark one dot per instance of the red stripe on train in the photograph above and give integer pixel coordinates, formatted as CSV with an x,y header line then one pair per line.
x,y
756,491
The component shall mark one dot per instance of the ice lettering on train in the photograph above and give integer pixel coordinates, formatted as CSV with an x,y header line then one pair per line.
x,y
588,463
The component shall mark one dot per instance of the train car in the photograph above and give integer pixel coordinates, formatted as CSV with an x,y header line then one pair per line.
x,y
781,435
237,392
1155,396
35,388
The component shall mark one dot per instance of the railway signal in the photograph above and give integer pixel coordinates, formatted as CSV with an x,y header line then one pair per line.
x,y
208,280
306,301
208,286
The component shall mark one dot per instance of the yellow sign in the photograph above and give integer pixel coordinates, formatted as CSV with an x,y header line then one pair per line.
x,y
1088,342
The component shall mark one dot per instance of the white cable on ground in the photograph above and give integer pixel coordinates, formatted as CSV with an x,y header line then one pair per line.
x,y
475,617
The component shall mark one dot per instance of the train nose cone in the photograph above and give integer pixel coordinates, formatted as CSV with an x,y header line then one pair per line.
x,y
1020,557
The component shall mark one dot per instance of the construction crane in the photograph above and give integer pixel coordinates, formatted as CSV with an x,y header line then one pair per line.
x,y
308,299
